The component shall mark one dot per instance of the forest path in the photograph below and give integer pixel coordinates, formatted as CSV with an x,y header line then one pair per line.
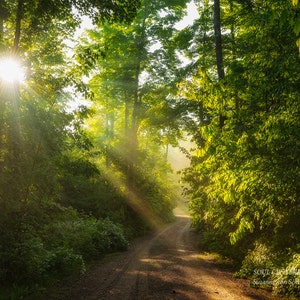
x,y
165,266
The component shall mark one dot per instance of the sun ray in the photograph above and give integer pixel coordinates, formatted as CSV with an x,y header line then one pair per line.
x,y
132,199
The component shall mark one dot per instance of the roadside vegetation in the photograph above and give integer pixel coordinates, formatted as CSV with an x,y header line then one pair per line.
x,y
244,173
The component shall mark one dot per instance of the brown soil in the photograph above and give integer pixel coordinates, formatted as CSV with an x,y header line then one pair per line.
x,y
165,266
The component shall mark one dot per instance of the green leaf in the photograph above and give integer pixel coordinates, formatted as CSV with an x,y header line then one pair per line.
x,y
298,44
297,26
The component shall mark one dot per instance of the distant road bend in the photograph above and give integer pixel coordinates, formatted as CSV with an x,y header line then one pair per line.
x,y
166,266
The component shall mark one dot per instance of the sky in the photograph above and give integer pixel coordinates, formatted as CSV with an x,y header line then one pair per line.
x,y
188,20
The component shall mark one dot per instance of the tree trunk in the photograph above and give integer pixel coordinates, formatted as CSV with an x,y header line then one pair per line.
x,y
218,39
1,30
219,50
136,100
19,17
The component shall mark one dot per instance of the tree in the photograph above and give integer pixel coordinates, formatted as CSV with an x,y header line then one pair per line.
x,y
129,88
238,188
37,133
219,51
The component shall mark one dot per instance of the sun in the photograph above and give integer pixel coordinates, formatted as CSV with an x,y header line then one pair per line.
x,y
11,70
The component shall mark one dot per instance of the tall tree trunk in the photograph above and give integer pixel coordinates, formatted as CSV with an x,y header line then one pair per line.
x,y
167,152
219,50
126,114
109,136
136,100
107,141
1,30
218,39
19,17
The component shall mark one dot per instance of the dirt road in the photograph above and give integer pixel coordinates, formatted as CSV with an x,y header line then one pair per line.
x,y
165,266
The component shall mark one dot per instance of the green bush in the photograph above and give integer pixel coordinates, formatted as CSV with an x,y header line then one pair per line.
x,y
258,265
24,262
286,281
30,266
63,262
212,240
279,271
16,292
31,260
113,234
88,237
216,240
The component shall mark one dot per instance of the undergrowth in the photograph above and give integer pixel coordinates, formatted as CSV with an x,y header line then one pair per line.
x,y
268,267
57,250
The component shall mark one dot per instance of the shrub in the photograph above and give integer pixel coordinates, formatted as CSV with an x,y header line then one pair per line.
x,y
286,281
113,234
278,271
30,260
212,240
88,237
63,262
258,265
216,240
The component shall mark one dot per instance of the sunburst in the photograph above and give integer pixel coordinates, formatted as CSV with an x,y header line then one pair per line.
x,y
11,70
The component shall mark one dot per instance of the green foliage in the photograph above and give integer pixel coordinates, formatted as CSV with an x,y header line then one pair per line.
x,y
286,281
31,263
213,240
58,249
258,264
244,176
62,262
75,185
153,182
129,127
54,200
89,238
269,269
